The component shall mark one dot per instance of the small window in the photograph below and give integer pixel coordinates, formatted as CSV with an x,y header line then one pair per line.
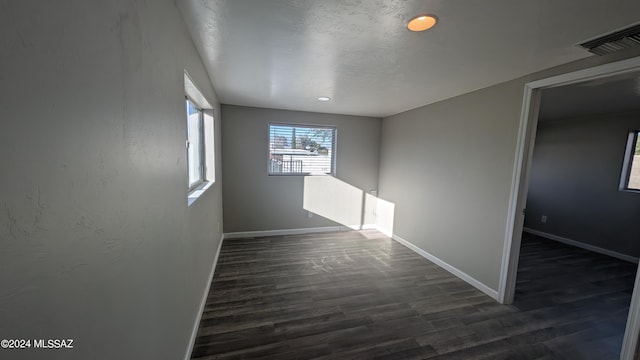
x,y
200,141
195,145
301,150
630,180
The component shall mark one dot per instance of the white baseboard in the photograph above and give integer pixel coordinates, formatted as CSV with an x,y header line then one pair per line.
x,y
249,234
575,243
455,271
203,302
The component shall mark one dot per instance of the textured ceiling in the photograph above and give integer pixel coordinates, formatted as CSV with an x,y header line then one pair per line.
x,y
285,53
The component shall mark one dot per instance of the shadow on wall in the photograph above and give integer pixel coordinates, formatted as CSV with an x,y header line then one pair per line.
x,y
346,204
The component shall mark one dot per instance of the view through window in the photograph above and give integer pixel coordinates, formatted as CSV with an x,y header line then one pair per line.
x,y
195,144
301,150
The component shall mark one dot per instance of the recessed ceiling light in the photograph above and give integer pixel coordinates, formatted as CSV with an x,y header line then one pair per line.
x,y
324,98
422,22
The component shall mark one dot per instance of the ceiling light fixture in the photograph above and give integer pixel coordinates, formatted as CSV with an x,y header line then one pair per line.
x,y
422,22
324,98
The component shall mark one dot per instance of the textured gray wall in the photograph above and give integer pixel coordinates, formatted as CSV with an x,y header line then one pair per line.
x,y
448,167
254,201
98,244
574,182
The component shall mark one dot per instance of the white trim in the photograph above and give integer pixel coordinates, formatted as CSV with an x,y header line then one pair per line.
x,y
249,234
194,194
450,268
203,302
582,245
192,91
515,216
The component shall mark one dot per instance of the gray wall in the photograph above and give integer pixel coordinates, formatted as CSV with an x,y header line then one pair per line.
x,y
254,201
447,167
574,182
98,244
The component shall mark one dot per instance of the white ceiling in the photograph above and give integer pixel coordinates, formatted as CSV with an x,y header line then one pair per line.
x,y
285,53
614,94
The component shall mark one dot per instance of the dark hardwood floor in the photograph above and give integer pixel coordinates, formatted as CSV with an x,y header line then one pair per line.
x,y
360,295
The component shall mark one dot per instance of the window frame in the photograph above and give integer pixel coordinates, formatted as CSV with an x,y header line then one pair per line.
x,y
627,166
202,150
334,143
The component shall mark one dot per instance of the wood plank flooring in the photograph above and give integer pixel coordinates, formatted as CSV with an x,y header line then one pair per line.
x,y
360,295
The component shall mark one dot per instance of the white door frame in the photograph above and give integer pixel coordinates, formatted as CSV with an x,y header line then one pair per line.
x,y
520,186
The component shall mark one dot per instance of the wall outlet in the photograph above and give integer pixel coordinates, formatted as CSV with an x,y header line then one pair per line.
x,y
543,218
309,214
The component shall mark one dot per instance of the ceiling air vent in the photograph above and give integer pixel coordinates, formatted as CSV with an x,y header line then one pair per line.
x,y
610,43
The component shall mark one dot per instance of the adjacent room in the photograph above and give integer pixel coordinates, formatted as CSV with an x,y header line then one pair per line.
x,y
191,179
579,250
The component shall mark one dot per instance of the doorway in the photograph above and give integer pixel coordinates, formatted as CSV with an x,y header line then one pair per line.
x,y
520,185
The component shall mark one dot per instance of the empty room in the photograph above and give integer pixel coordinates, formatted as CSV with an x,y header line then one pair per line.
x,y
301,179
579,251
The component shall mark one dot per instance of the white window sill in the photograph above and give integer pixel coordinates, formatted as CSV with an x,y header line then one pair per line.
x,y
197,192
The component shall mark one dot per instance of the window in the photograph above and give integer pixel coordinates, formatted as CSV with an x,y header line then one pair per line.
x,y
195,144
200,141
301,150
630,180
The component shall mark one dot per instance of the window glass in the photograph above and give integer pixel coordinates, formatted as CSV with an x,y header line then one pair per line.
x,y
301,150
195,144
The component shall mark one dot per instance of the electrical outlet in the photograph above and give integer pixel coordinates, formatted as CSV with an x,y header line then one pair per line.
x,y
543,218
309,214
